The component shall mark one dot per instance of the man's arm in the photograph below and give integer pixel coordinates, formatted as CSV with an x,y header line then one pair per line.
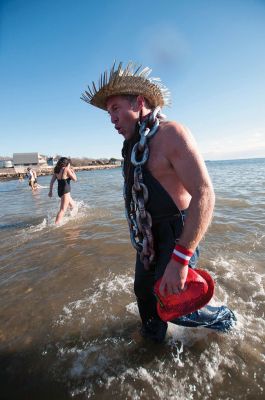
x,y
51,185
190,168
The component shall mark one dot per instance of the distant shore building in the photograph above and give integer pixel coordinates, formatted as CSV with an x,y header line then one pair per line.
x,y
115,161
6,164
23,160
51,161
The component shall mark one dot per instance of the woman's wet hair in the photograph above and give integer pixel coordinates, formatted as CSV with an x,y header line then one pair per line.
x,y
62,162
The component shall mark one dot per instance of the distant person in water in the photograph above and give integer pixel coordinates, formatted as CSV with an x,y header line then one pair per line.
x,y
32,175
63,173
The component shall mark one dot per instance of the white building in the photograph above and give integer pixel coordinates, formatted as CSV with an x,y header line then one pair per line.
x,y
23,160
28,159
6,164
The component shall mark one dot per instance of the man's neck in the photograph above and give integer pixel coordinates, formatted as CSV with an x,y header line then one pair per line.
x,y
145,115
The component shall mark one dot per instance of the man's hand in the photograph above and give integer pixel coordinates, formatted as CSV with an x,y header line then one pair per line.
x,y
174,278
50,193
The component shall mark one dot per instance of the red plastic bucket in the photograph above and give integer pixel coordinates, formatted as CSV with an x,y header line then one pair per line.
x,y
198,292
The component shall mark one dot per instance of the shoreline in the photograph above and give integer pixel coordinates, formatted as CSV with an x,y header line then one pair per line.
x,y
7,174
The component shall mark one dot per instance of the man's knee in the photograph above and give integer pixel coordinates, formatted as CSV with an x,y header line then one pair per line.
x,y
143,288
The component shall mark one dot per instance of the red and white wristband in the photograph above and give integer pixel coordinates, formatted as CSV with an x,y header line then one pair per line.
x,y
182,255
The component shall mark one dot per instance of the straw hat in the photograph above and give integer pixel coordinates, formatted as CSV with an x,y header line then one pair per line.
x,y
132,80
199,291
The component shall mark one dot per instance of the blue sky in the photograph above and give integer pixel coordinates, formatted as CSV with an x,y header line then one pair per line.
x,y
210,54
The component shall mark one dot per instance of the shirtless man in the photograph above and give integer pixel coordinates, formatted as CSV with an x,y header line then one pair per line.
x,y
176,174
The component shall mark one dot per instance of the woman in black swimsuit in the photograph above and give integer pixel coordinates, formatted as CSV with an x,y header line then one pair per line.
x,y
63,173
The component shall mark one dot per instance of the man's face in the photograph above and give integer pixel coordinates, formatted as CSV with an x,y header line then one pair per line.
x,y
124,115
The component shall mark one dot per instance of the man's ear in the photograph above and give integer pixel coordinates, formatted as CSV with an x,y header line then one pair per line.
x,y
140,103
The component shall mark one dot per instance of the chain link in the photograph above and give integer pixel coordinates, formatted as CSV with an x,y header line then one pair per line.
x,y
139,219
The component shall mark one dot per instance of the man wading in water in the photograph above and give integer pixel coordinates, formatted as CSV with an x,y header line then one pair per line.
x,y
169,196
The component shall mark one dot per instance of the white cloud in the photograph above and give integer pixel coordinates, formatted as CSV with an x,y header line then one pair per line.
x,y
252,145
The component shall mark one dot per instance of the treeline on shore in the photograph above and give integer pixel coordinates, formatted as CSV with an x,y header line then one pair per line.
x,y
82,162
11,173
79,161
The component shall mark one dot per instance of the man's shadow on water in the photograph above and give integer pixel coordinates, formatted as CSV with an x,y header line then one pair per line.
x,y
24,375
40,373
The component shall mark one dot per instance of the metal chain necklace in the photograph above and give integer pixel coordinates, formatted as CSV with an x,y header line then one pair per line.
x,y
140,220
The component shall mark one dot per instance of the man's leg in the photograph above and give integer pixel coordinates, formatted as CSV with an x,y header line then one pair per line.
x,y
165,233
152,326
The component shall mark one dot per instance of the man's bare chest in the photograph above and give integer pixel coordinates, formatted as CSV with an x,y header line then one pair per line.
x,y
158,163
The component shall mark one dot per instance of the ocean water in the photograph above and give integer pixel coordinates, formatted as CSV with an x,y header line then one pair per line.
x,y
68,318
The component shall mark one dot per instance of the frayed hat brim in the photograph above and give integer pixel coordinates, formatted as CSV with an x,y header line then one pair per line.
x,y
131,81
